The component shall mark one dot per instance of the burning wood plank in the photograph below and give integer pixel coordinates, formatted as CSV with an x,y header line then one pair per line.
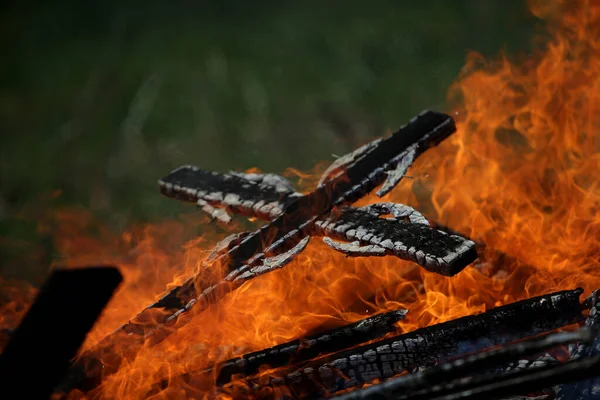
x,y
38,354
300,350
253,253
430,345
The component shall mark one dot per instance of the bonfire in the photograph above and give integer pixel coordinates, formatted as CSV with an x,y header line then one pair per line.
x,y
423,265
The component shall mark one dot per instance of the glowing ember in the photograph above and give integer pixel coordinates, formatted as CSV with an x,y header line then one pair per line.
x,y
518,175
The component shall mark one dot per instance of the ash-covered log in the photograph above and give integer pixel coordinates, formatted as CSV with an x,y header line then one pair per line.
x,y
430,345
359,176
405,234
304,349
260,195
468,366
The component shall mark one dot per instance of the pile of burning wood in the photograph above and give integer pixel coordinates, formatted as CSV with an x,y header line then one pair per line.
x,y
512,350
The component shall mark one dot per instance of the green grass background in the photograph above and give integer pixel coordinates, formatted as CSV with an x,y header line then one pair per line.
x,y
99,99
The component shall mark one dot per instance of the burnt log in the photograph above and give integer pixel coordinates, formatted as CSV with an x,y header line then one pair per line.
x,y
430,345
263,196
303,349
295,223
406,234
306,349
469,366
519,381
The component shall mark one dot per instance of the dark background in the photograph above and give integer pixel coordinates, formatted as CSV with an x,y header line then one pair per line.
x,y
99,99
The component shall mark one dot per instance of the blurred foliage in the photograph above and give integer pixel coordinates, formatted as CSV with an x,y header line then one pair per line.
x,y
99,99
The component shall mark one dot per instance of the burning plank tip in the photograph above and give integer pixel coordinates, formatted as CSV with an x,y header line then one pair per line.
x,y
51,335
406,235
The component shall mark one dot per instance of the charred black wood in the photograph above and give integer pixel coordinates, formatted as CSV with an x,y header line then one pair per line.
x,y
541,361
260,195
406,234
513,383
592,321
470,365
404,385
40,349
295,223
585,389
431,345
305,349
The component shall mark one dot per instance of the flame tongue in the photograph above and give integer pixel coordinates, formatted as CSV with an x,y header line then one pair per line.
x,y
522,174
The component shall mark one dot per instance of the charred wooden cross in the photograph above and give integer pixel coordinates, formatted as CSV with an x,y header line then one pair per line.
x,y
294,218
406,234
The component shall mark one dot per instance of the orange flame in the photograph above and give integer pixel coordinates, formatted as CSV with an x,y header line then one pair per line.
x,y
518,175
